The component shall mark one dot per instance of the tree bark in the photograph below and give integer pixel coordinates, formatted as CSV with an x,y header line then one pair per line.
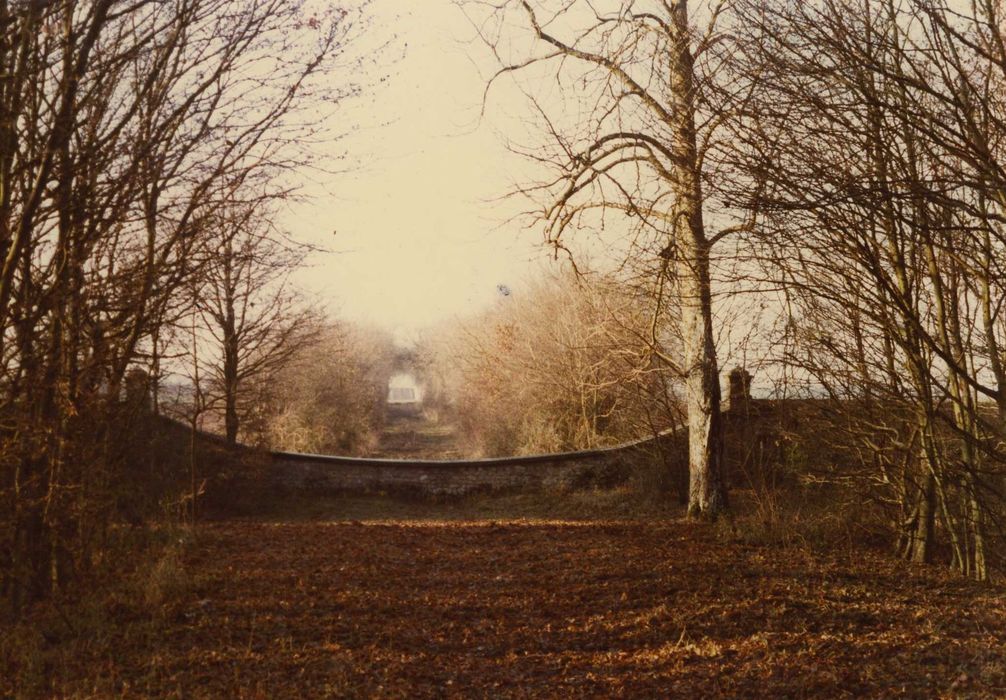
x,y
919,549
706,493
231,418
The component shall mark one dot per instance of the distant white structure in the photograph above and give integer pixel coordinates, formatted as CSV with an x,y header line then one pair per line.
x,y
403,391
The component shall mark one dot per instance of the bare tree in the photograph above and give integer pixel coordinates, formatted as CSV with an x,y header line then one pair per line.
x,y
253,318
634,75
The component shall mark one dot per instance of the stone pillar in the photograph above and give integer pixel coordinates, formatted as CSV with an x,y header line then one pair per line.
x,y
739,393
138,390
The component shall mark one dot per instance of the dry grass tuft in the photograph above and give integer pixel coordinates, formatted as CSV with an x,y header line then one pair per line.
x,y
117,611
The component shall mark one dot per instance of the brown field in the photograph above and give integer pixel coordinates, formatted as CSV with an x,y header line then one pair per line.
x,y
426,601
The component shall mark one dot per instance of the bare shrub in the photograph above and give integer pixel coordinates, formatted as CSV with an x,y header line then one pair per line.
x,y
167,581
330,398
559,365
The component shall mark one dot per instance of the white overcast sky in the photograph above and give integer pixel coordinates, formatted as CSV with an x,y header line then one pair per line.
x,y
420,234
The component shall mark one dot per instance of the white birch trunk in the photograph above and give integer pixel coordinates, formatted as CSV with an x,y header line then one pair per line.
x,y
706,493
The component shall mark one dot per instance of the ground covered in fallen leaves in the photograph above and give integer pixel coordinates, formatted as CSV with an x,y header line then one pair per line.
x,y
421,606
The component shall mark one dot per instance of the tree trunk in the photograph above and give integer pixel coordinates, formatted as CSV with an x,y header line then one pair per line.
x,y
231,420
920,541
706,493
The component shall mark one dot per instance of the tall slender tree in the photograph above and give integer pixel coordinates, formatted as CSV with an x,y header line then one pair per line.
x,y
634,149
254,320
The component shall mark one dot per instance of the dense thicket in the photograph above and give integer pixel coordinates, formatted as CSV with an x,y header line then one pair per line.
x,y
330,397
559,364
872,148
124,128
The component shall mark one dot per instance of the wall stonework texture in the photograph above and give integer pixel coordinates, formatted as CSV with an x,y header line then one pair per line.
x,y
567,471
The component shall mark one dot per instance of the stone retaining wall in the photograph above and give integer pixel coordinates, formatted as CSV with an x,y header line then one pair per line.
x,y
755,435
565,471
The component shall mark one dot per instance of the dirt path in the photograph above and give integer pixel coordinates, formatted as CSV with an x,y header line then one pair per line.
x,y
412,436
426,608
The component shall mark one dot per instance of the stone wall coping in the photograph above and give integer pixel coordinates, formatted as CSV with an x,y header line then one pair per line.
x,y
462,463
